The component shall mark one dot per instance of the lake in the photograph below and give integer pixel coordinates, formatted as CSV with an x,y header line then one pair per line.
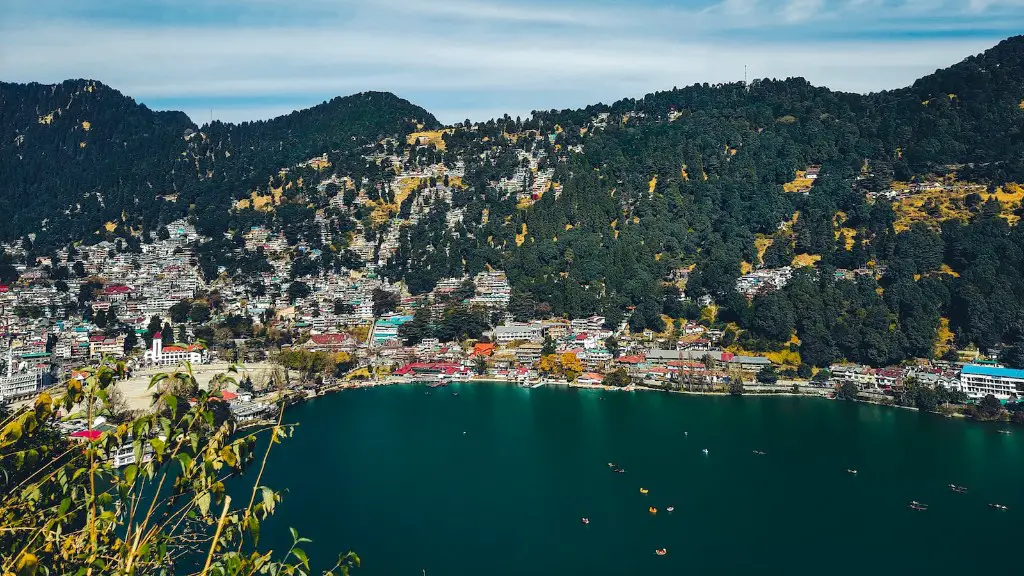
x,y
496,479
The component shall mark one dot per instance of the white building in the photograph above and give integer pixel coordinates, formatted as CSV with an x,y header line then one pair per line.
x,y
980,381
513,332
158,355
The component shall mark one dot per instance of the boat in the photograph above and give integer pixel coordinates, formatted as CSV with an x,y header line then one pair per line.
x,y
455,393
619,470
759,453
611,464
705,451
585,520
661,551
957,489
652,510
439,384
851,470
644,490
670,509
1005,432
919,507
998,506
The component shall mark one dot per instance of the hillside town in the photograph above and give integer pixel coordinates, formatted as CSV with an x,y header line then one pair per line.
x,y
153,310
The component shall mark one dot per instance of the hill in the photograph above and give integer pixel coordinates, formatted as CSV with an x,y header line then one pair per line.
x,y
83,153
903,203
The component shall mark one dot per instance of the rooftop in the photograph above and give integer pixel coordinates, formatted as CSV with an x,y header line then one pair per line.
x,y
993,371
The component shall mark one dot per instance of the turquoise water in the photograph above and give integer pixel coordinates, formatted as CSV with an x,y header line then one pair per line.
x,y
389,473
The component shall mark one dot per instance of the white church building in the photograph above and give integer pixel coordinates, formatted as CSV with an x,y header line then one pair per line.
x,y
159,355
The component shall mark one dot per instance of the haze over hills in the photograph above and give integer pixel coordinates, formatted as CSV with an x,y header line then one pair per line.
x,y
592,211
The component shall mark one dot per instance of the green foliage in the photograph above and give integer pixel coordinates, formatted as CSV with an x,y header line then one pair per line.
x,y
179,312
312,364
65,508
384,301
736,385
989,408
847,391
767,375
617,378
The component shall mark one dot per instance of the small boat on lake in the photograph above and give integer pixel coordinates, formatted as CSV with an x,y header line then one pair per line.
x,y
919,507
705,451
611,464
759,453
619,470
644,490
585,520
652,510
998,507
661,551
958,489
1006,432
670,509
851,471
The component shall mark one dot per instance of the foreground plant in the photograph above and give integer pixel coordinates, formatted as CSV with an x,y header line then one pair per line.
x,y
65,509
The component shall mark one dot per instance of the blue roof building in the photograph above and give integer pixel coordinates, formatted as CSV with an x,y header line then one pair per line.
x,y
980,381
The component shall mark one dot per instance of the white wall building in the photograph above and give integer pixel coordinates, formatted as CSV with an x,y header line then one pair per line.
x,y
980,381
158,355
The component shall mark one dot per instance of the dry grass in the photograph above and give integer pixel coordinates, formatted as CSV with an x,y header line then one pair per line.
x,y
521,237
799,183
801,260
428,137
943,338
933,206
761,243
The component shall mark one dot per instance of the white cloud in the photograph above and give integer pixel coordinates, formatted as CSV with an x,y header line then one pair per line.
x,y
461,58
801,10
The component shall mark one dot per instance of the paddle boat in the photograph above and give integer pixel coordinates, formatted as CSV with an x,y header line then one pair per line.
x,y
670,509
585,520
851,471
644,490
998,507
661,551
705,451
957,489
652,510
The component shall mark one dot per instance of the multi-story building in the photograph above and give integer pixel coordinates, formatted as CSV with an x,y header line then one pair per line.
x,y
513,332
980,381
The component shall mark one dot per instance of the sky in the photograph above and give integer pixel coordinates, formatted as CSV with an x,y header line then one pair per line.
x,y
238,60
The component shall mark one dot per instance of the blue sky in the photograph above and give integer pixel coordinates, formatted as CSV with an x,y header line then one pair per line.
x,y
254,59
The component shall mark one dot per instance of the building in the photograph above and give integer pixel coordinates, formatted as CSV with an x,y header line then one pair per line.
x,y
528,354
16,386
158,355
514,332
980,381
386,329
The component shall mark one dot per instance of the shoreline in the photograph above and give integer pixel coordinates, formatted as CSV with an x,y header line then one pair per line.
x,y
778,392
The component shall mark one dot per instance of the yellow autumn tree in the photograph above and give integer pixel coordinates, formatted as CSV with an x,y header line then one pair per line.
x,y
571,366
566,365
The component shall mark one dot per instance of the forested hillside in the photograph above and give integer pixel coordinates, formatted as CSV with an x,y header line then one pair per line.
x,y
897,210
83,154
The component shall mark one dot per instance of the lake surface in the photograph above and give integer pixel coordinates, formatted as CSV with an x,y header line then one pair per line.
x,y
495,480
